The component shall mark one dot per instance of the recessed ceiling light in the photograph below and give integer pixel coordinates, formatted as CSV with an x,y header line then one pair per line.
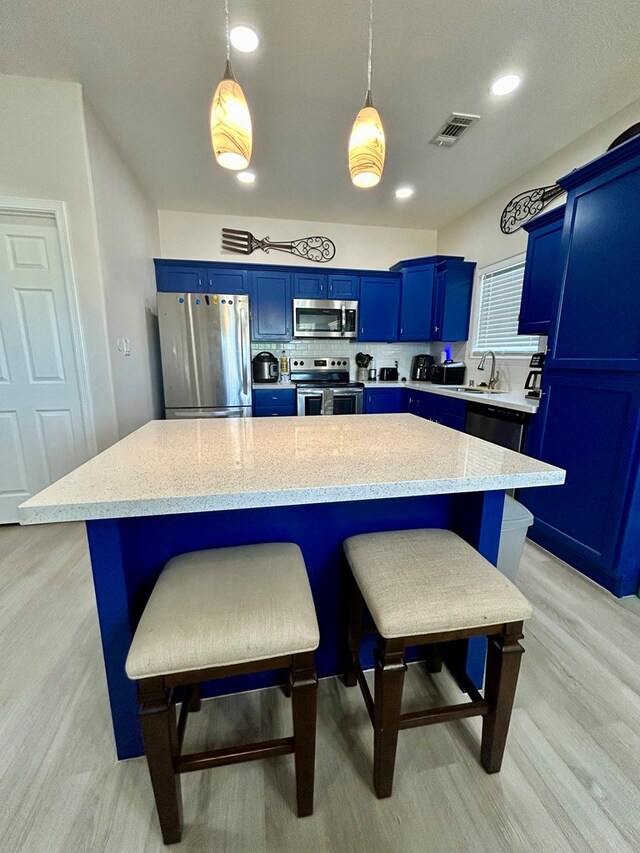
x,y
404,192
244,39
505,85
246,177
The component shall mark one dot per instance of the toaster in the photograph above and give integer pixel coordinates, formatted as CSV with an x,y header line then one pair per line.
x,y
448,373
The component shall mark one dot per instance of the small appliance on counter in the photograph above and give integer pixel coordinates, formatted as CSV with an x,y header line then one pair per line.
x,y
448,373
388,374
265,367
421,367
531,385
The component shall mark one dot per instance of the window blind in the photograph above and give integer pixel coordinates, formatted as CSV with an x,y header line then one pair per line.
x,y
497,317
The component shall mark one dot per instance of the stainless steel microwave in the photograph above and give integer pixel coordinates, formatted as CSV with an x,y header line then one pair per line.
x,y
324,318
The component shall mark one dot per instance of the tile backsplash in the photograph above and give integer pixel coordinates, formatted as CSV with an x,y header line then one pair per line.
x,y
513,371
384,355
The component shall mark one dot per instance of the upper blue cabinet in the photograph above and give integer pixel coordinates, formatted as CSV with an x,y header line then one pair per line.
x,y
379,307
309,286
542,272
191,277
597,310
176,277
416,304
271,315
329,286
343,286
436,298
452,302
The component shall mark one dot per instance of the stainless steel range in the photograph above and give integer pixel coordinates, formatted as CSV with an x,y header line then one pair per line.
x,y
323,386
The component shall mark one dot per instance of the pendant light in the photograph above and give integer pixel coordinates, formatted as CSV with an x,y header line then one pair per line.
x,y
366,144
231,136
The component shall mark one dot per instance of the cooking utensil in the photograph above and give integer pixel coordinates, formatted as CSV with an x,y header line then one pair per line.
x,y
318,249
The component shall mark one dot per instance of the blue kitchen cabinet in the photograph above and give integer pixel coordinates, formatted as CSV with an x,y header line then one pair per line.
x,y
542,272
184,277
379,308
331,286
383,401
436,298
227,281
274,402
452,300
589,418
416,303
343,286
271,312
309,286
193,277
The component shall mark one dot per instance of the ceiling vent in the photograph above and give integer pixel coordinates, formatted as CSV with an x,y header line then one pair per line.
x,y
453,128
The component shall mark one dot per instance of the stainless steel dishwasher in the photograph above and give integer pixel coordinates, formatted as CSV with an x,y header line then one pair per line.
x,y
505,427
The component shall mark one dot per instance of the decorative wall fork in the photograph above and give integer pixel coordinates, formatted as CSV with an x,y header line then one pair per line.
x,y
526,205
318,249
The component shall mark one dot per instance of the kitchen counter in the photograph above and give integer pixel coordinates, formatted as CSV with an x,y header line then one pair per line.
x,y
509,400
203,465
173,487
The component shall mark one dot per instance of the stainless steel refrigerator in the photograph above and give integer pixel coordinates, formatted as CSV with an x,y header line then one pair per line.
x,y
206,355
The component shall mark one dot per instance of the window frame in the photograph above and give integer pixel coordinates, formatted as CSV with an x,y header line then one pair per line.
x,y
474,350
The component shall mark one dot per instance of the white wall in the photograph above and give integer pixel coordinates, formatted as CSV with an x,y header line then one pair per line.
x,y
128,239
197,236
477,234
43,156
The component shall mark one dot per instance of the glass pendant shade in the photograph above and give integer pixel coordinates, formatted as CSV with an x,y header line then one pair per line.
x,y
231,135
366,147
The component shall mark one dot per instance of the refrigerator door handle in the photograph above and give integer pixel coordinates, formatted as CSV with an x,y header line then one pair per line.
x,y
243,320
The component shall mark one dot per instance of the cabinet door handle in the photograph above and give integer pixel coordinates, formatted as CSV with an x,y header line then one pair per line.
x,y
401,331
435,328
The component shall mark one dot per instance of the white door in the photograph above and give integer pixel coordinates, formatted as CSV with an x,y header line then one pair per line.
x,y
42,433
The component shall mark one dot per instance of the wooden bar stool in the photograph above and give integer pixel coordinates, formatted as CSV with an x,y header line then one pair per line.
x,y
431,587
214,614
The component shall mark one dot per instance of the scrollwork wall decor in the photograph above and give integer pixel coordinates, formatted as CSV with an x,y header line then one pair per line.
x,y
318,249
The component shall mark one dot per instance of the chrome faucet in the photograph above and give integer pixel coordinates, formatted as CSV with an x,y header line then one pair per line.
x,y
495,374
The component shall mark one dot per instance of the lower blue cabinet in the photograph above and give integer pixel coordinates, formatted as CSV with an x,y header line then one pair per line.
x,y
443,410
384,401
273,403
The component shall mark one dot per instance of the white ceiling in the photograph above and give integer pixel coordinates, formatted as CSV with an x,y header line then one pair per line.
x,y
149,69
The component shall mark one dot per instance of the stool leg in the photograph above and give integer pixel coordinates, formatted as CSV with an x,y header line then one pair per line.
x,y
160,735
433,657
354,634
504,653
195,702
389,680
304,696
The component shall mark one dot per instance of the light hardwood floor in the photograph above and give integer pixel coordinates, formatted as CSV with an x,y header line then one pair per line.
x,y
570,780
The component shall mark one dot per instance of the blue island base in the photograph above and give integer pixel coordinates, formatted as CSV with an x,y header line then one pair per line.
x,y
128,554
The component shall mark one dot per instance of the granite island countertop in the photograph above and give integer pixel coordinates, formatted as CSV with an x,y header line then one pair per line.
x,y
199,465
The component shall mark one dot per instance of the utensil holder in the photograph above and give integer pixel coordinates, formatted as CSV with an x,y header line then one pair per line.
x,y
362,374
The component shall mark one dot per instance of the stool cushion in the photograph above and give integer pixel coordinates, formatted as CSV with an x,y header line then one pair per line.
x,y
225,606
428,581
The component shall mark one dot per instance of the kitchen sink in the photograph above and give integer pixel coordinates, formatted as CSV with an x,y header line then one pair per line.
x,y
476,389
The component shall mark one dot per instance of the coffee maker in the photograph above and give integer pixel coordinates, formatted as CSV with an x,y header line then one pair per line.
x,y
421,367
531,384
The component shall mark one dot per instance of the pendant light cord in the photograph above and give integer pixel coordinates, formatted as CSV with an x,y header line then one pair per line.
x,y
370,45
226,28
